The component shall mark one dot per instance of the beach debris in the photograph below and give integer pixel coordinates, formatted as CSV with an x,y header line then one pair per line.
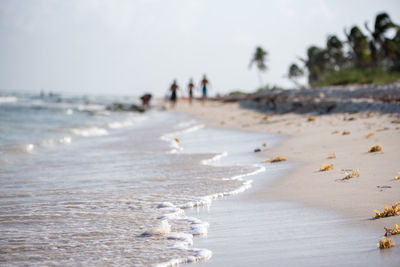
x,y
266,117
397,177
349,119
376,148
385,243
335,132
396,121
369,135
222,122
257,150
394,231
345,133
264,144
331,156
177,139
354,173
397,128
276,159
326,167
382,129
312,119
393,211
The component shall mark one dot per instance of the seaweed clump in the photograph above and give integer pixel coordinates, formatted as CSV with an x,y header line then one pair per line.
x,y
385,243
393,211
394,231
377,148
326,167
276,159
354,173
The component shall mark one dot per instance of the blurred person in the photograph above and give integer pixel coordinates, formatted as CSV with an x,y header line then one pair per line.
x,y
204,83
190,90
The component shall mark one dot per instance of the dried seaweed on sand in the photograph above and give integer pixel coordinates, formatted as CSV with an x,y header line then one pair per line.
x,y
345,133
326,167
385,243
331,156
177,140
394,231
276,159
376,148
312,119
369,135
264,144
393,211
354,173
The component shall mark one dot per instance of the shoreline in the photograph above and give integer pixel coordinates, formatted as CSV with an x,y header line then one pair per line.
x,y
308,143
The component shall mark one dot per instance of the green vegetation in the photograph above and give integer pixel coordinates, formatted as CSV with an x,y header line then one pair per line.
x,y
358,59
358,76
259,58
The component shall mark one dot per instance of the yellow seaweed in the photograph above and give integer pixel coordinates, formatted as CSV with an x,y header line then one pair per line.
x,y
385,243
393,211
326,167
264,144
276,159
355,173
394,231
376,148
369,135
177,140
331,156
312,119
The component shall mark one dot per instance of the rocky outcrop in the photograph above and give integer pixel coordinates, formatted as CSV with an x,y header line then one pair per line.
x,y
361,98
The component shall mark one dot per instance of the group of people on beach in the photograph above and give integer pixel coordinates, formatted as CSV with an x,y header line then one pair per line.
x,y
204,83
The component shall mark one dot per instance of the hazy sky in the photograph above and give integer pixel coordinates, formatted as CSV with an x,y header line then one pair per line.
x,y
129,47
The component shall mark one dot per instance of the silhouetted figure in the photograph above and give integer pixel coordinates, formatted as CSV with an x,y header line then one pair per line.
x,y
190,89
204,83
174,88
146,100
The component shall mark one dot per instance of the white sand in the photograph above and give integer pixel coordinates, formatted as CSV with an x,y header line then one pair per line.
x,y
309,143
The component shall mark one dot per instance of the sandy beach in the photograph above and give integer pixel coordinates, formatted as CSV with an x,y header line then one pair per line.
x,y
309,141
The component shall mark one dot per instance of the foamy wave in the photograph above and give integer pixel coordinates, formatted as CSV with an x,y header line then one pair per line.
x,y
162,229
215,158
65,140
183,240
68,112
200,255
174,143
90,131
90,107
29,147
125,123
8,99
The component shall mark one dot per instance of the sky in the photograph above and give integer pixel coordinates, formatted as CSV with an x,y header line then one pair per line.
x,y
129,47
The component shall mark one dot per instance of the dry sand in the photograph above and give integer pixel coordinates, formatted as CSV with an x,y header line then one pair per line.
x,y
309,143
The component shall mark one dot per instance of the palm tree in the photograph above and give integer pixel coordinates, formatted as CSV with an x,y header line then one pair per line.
x,y
295,72
259,58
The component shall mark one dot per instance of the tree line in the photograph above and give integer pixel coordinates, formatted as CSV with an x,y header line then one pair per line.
x,y
371,57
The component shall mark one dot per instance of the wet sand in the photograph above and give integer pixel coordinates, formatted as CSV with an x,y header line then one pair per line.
x,y
308,143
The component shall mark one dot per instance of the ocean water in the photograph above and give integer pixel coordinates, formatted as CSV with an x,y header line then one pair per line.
x,y
80,185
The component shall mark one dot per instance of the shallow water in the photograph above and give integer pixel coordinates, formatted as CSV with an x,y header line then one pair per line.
x,y
115,193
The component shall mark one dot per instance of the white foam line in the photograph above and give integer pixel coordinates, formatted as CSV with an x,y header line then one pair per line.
x,y
183,240
170,137
214,158
198,227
